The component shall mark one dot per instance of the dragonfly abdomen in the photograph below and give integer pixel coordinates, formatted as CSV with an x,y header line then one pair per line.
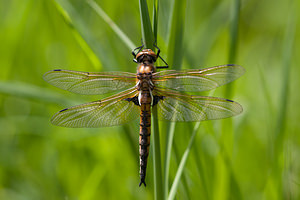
x,y
144,141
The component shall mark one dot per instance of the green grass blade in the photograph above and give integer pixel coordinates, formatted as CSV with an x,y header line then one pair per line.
x,y
227,124
182,164
175,40
169,142
199,167
234,189
206,35
234,32
147,33
281,125
286,68
174,59
233,42
113,26
157,168
29,91
155,18
80,31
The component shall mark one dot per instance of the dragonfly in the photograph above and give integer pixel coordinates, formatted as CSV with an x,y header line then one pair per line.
x,y
139,92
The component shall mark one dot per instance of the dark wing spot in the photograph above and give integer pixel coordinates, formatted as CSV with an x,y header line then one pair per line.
x,y
57,70
229,100
63,110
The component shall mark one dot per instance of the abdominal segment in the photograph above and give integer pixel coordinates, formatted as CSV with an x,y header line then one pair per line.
x,y
144,141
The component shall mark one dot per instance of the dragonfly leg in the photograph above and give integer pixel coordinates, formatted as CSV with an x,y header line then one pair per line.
x,y
134,54
158,52
158,49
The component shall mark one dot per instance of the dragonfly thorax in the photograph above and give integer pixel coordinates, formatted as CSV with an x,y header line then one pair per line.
x,y
146,69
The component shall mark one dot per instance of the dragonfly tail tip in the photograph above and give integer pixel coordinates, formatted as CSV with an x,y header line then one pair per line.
x,y
142,182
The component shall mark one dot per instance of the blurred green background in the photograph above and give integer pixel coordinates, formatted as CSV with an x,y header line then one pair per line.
x,y
259,159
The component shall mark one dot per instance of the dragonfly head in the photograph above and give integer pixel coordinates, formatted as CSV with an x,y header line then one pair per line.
x,y
146,56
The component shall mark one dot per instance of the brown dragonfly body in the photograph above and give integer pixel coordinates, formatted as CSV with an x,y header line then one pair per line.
x,y
165,89
146,59
145,86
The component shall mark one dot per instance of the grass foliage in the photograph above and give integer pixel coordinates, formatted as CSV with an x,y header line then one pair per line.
x,y
251,156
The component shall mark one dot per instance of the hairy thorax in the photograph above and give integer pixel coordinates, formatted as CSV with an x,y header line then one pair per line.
x,y
145,68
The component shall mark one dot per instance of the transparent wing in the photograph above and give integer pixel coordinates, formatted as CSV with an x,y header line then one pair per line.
x,y
111,111
90,83
185,108
197,80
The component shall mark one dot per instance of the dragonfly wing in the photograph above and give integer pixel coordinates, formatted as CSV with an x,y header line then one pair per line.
x,y
90,83
185,108
112,111
197,80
